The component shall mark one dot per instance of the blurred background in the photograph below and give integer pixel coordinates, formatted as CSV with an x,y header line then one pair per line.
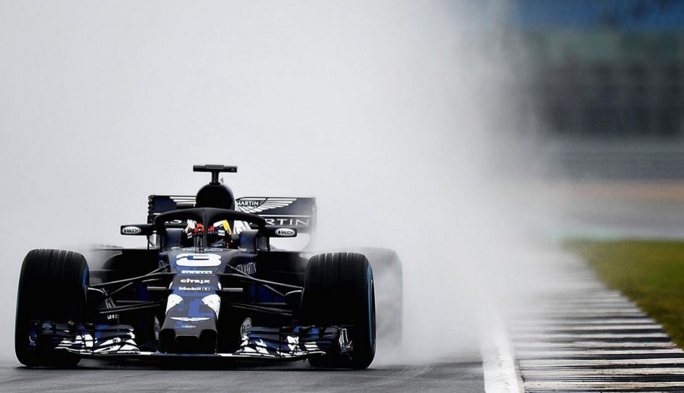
x,y
601,92
606,82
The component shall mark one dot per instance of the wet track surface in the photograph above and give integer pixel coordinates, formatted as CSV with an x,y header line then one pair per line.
x,y
458,375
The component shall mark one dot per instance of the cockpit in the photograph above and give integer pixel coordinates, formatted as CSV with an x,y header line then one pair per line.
x,y
218,235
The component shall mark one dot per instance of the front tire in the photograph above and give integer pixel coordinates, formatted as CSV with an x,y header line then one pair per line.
x,y
387,275
339,290
52,287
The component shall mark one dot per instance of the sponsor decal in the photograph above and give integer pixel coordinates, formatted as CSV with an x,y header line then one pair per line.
x,y
285,232
196,272
196,289
288,221
198,260
194,281
131,230
258,205
247,268
190,319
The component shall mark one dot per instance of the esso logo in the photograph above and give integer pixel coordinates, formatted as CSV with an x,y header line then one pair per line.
x,y
131,230
285,232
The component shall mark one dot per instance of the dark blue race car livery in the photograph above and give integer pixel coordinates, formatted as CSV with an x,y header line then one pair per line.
x,y
210,284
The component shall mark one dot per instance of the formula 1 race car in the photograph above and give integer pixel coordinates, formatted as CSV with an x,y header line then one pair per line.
x,y
209,284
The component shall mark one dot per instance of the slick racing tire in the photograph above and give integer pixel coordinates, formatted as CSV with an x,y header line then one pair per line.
x,y
52,287
339,291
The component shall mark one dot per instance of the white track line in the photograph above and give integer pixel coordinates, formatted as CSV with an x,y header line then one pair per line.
x,y
578,336
595,345
561,354
579,329
614,362
598,312
575,372
601,386
501,372
576,322
586,336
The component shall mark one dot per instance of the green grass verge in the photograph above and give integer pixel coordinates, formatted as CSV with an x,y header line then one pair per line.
x,y
650,273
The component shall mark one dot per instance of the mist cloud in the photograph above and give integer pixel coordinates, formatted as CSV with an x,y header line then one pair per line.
x,y
387,112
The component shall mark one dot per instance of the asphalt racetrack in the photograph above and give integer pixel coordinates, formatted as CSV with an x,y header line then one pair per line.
x,y
455,375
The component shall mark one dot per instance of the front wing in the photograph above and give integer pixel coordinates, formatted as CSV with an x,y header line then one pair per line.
x,y
258,343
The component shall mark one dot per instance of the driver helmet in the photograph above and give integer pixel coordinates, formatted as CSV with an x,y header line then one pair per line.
x,y
218,235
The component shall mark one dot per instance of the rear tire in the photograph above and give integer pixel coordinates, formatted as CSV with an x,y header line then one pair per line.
x,y
339,290
52,287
